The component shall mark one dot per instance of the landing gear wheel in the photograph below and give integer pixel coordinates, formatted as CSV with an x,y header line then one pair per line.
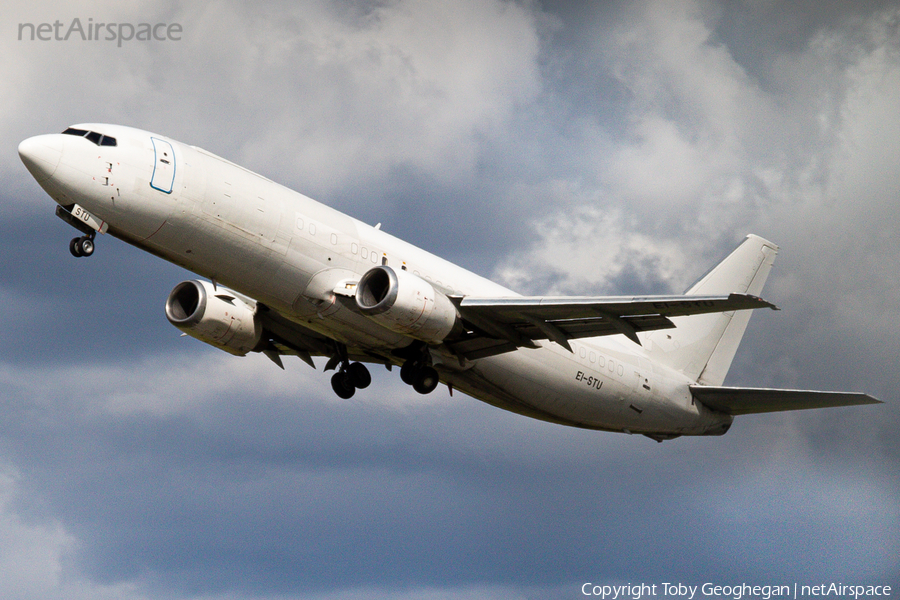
x,y
359,375
83,246
86,245
75,247
408,372
342,386
427,380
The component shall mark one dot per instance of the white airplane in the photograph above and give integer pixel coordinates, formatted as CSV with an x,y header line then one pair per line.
x,y
290,276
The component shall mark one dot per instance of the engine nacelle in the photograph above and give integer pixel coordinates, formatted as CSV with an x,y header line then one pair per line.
x,y
217,317
406,303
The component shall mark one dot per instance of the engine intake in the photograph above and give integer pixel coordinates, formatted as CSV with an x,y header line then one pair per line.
x,y
216,317
407,304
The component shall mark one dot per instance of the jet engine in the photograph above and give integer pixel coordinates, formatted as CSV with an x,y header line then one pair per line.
x,y
215,316
406,303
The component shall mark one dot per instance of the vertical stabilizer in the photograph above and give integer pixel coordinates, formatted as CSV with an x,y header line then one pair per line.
x,y
703,346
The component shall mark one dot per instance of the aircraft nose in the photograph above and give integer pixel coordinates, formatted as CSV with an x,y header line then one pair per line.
x,y
41,155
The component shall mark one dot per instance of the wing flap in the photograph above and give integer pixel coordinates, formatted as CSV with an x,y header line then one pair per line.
x,y
573,307
745,401
476,346
580,328
516,322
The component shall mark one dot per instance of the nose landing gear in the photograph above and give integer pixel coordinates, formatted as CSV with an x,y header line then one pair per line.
x,y
86,223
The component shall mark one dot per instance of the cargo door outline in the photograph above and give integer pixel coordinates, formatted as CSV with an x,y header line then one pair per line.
x,y
163,176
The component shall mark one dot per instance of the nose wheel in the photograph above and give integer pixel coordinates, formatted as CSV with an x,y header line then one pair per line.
x,y
82,246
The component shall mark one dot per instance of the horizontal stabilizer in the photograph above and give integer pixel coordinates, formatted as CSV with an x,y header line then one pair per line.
x,y
745,401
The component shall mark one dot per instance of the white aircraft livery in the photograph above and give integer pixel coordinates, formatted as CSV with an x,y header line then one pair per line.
x,y
286,275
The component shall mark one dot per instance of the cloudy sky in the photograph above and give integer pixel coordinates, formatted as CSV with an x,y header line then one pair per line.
x,y
557,147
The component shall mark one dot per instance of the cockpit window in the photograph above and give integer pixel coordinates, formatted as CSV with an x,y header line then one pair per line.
x,y
97,138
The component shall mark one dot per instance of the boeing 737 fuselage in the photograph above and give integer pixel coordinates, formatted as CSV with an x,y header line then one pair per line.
x,y
290,276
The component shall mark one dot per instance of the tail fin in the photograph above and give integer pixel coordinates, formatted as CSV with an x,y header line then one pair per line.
x,y
703,346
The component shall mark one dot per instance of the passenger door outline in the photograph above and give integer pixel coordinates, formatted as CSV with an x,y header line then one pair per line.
x,y
163,176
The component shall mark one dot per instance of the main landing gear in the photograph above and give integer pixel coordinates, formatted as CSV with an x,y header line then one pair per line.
x,y
350,377
82,246
415,371
421,376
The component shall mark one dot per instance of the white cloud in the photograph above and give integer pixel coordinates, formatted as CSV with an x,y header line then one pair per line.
x,y
35,557
677,186
590,250
839,212
31,554
707,155
409,84
321,92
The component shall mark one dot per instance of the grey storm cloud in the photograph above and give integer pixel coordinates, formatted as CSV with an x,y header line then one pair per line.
x,y
557,147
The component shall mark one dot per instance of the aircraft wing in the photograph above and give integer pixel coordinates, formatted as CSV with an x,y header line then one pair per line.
x,y
504,324
744,401
287,338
